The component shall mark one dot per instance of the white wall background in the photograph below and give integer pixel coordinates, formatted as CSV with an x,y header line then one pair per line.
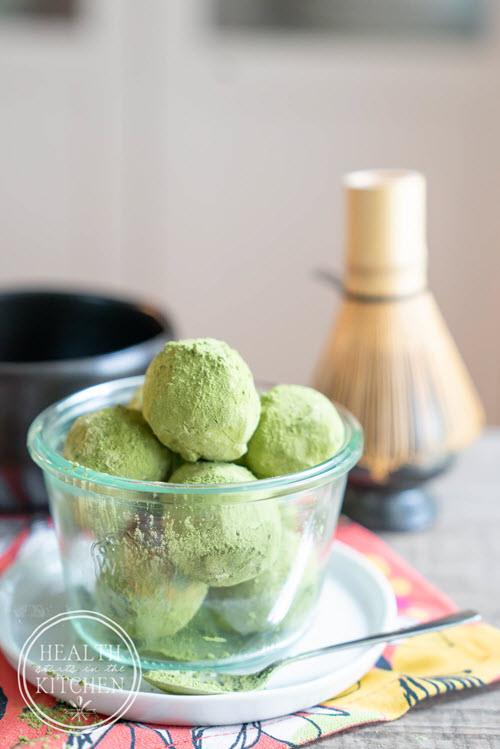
x,y
141,152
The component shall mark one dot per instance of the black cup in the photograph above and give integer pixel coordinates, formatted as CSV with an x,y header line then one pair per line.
x,y
51,344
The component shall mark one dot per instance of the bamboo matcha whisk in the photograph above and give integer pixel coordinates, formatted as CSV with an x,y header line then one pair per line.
x,y
390,358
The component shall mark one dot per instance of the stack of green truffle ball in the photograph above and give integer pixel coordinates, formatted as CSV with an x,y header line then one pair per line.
x,y
199,420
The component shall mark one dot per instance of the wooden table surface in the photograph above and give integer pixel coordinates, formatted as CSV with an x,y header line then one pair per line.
x,y
461,556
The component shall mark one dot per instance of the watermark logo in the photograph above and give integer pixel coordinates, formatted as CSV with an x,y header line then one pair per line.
x,y
87,679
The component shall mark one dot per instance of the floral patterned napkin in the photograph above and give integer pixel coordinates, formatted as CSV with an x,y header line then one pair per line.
x,y
461,658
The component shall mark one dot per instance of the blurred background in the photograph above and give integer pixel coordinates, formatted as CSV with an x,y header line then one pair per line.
x,y
190,153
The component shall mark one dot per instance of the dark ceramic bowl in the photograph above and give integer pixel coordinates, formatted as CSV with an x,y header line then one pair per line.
x,y
51,344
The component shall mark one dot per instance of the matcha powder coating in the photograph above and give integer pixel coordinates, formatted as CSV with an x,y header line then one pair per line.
x,y
139,588
221,539
118,441
298,429
200,400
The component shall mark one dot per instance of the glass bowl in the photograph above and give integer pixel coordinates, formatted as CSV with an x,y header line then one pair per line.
x,y
197,574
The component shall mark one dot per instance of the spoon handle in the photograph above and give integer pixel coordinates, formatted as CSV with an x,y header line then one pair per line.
x,y
434,625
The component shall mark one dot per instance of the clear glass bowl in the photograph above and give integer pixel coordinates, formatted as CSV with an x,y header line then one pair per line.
x,y
267,542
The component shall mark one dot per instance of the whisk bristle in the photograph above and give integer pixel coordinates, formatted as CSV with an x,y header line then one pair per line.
x,y
396,367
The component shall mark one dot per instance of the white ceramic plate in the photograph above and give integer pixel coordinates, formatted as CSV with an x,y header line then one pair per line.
x,y
356,600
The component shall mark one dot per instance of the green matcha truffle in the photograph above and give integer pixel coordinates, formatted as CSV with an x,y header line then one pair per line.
x,y
102,516
207,472
118,441
221,539
298,429
139,588
200,400
266,601
208,638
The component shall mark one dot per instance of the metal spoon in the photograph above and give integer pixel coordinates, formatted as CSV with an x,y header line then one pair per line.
x,y
212,682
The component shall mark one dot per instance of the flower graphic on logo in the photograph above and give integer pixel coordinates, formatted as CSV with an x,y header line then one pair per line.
x,y
81,710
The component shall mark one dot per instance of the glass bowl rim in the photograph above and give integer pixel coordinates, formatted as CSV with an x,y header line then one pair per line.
x,y
52,461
